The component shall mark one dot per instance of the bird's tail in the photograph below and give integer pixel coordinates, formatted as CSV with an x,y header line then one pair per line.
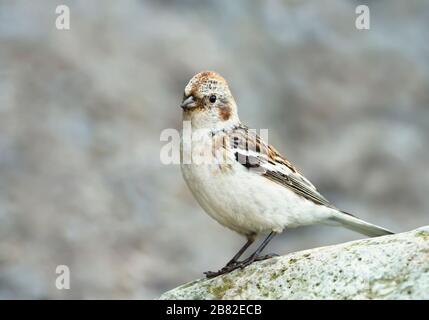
x,y
351,222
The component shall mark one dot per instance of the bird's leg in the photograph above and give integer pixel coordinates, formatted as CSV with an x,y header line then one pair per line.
x,y
233,263
248,243
255,256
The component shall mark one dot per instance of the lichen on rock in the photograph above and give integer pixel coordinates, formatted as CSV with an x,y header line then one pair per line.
x,y
389,267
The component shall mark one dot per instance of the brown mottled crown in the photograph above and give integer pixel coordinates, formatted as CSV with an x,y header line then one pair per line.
x,y
206,81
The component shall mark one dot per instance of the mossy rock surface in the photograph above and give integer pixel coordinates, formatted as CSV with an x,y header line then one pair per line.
x,y
389,267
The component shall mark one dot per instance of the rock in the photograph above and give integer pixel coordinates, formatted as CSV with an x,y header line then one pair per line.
x,y
389,267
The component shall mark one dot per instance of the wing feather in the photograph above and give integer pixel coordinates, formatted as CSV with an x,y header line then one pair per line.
x,y
250,151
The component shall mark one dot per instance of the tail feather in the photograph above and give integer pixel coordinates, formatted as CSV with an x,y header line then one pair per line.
x,y
353,223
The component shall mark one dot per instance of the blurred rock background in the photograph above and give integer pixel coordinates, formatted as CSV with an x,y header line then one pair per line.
x,y
81,112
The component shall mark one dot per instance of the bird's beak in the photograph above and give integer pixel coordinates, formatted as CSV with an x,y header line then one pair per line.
x,y
188,103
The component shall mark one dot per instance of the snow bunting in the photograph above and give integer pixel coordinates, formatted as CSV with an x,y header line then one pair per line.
x,y
248,186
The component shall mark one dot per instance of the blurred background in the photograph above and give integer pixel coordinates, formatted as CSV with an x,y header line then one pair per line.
x,y
81,112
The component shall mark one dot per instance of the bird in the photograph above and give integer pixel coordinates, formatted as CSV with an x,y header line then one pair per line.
x,y
242,182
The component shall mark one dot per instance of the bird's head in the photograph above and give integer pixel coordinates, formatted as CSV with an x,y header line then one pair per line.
x,y
208,102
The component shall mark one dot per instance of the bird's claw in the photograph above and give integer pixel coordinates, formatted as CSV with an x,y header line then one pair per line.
x,y
233,265
267,256
227,269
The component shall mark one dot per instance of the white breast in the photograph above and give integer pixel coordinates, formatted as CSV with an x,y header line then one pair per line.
x,y
245,201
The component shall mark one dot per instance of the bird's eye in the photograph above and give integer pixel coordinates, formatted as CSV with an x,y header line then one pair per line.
x,y
212,98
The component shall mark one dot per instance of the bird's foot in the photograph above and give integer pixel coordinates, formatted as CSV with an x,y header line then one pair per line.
x,y
267,256
233,265
254,258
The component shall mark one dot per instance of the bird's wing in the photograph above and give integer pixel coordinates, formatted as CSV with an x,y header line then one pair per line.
x,y
250,151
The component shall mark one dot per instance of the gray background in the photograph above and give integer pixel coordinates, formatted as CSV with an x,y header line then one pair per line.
x,y
81,112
